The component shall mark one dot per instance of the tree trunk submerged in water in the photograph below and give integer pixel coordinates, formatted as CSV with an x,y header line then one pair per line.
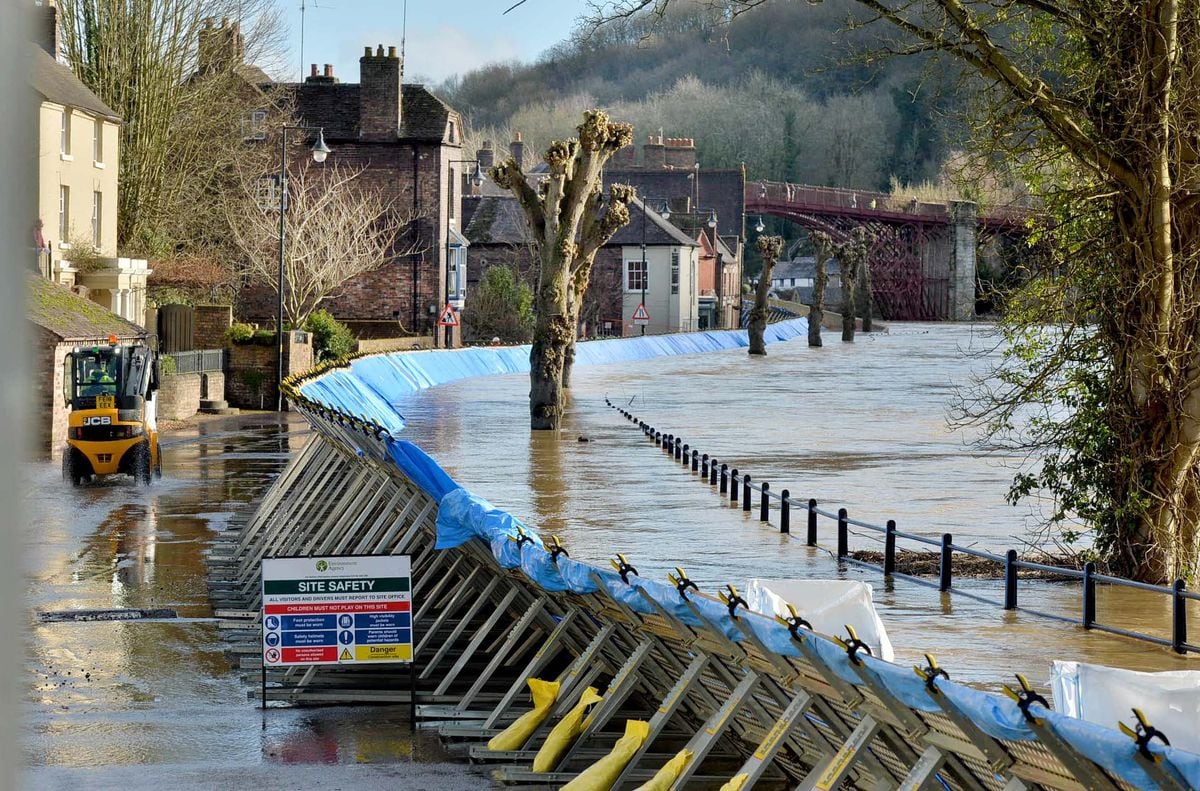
x,y
769,247
569,220
823,246
851,256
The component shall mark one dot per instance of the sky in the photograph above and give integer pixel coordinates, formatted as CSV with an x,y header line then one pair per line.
x,y
445,37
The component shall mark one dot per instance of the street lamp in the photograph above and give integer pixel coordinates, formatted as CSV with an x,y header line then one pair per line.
x,y
319,152
759,227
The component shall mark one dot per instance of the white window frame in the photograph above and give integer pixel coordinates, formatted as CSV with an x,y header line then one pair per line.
x,y
643,269
64,214
64,134
97,218
98,142
254,125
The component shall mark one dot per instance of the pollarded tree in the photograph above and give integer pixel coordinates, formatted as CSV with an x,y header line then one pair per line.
x,y
1099,100
852,256
769,247
570,220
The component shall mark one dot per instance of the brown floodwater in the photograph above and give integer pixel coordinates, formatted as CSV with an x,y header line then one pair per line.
x,y
861,426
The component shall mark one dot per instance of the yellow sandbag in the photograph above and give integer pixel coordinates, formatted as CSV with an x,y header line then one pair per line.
x,y
601,775
515,735
736,782
565,733
665,778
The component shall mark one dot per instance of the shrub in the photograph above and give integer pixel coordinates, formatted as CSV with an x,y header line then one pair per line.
x,y
239,332
168,365
332,339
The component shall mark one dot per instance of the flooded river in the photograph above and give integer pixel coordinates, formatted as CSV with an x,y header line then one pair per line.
x,y
861,426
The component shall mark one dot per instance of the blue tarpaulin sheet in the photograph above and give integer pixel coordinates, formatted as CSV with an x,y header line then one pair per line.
x,y
374,386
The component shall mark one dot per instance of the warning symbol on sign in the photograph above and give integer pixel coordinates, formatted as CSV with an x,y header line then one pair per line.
x,y
272,655
640,316
448,318
345,654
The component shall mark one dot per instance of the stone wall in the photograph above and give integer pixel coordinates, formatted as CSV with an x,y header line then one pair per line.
x,y
380,345
50,427
250,376
211,322
178,396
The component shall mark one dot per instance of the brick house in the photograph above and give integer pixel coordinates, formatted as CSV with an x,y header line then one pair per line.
x,y
408,143
61,320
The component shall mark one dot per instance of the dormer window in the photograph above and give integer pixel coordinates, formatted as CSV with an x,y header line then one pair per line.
x,y
254,125
453,133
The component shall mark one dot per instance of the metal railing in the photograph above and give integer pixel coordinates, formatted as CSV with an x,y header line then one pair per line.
x,y
740,487
199,361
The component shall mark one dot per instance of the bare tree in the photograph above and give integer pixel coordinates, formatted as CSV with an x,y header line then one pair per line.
x,y
823,247
571,220
769,247
336,230
141,58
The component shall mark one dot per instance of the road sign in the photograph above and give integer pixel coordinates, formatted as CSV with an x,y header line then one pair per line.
x,y
448,318
640,316
337,610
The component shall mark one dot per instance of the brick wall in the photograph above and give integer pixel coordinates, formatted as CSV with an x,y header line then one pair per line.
x,y
178,396
403,288
211,322
250,378
50,432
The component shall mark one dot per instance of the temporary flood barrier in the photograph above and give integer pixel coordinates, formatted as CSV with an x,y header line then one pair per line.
x,y
696,690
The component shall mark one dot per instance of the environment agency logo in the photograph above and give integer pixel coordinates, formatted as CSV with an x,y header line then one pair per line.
x,y
322,565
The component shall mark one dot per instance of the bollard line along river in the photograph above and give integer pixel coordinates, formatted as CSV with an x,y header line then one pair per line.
x,y
859,425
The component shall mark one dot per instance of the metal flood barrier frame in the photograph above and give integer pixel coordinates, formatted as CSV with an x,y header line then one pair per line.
x,y
774,702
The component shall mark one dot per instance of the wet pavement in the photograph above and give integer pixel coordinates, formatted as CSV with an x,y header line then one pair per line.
x,y
142,703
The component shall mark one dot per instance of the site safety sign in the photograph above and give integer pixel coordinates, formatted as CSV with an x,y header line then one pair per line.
x,y
337,610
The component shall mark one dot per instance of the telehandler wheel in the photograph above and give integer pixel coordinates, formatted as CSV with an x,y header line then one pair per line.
x,y
70,470
142,474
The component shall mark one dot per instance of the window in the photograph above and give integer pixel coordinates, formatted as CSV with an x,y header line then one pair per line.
x,y
635,276
64,140
450,193
64,213
97,210
674,270
254,125
98,141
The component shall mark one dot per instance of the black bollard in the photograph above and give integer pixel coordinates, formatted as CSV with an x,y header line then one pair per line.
x,y
733,485
843,534
1010,580
811,538
724,477
746,493
695,459
763,505
889,549
785,512
704,466
944,567
712,472
1179,618
1089,595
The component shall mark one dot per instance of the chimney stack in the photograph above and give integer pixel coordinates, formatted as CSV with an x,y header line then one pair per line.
x,y
654,153
319,78
681,153
329,70
625,158
516,149
220,48
380,96
313,71
47,30
486,156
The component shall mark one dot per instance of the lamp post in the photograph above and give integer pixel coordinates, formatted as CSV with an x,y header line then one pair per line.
x,y
319,152
666,215
477,180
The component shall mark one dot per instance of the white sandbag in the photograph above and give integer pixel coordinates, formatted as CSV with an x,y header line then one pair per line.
x,y
1107,695
829,605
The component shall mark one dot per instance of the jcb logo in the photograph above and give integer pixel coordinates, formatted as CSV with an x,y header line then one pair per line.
x,y
97,421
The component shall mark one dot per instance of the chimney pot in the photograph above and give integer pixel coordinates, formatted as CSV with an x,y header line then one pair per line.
x,y
518,138
379,51
367,51
328,69
313,72
391,52
224,21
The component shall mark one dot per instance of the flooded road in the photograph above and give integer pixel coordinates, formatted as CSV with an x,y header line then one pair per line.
x,y
858,425
139,704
